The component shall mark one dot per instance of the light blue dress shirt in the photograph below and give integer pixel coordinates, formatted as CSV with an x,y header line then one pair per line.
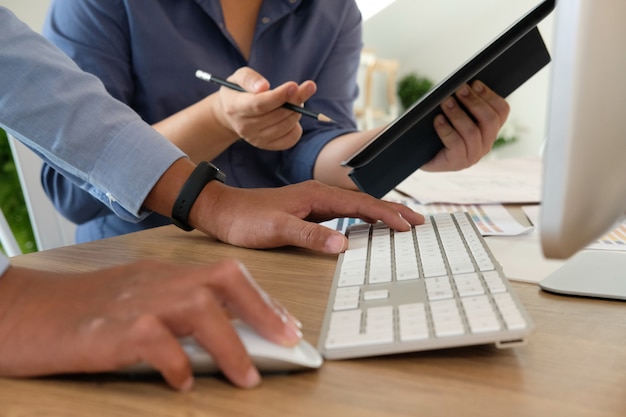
x,y
146,52
66,116
4,264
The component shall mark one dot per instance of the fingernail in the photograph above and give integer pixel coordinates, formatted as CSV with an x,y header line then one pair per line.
x,y
292,333
187,385
253,378
295,321
335,243
464,91
289,320
479,87
440,120
450,103
257,85
286,316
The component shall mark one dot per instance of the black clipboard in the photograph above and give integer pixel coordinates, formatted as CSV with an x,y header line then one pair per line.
x,y
411,140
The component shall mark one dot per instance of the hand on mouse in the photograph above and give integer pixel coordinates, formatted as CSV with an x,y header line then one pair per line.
x,y
53,323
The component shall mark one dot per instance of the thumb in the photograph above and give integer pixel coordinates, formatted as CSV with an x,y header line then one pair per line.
x,y
301,233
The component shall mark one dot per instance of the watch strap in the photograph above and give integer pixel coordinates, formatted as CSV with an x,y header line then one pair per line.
x,y
201,176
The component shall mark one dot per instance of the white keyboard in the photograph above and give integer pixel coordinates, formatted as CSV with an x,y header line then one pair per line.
x,y
436,286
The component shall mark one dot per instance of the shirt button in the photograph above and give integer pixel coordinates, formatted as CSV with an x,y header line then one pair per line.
x,y
265,20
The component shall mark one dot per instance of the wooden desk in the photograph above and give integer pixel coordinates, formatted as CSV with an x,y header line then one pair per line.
x,y
574,364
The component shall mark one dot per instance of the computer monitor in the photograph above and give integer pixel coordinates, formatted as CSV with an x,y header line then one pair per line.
x,y
584,184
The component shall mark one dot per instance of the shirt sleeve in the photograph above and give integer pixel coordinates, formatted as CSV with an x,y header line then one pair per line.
x,y
4,264
49,104
337,90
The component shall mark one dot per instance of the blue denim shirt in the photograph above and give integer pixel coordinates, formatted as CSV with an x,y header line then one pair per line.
x,y
52,106
146,53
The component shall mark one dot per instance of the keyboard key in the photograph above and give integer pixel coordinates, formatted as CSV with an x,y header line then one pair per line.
x,y
468,284
345,323
480,314
405,256
494,282
375,295
347,298
413,322
438,288
510,312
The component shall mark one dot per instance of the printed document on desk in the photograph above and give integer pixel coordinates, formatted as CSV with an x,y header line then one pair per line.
x,y
510,180
491,219
613,240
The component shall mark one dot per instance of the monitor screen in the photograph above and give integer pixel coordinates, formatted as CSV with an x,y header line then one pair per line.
x,y
584,183
584,190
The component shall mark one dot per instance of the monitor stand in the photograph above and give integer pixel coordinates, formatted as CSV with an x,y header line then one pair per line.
x,y
600,274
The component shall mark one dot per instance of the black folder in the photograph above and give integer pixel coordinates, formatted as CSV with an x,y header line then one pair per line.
x,y
411,140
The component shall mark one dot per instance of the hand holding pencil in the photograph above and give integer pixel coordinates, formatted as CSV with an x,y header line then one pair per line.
x,y
236,87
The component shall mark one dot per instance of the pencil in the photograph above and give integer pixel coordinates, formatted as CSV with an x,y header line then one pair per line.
x,y
212,78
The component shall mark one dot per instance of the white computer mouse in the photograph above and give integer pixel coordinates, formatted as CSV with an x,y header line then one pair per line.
x,y
268,357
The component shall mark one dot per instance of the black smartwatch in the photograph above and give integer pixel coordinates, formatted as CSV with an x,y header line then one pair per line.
x,y
201,176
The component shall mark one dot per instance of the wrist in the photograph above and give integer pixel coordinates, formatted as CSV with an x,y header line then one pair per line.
x,y
221,122
208,213
164,192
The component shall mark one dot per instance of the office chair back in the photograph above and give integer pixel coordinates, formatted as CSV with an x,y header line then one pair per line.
x,y
7,238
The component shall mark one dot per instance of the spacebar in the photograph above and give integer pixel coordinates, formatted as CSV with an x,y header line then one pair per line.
x,y
363,339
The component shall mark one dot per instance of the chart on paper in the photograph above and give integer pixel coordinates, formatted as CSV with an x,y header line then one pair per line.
x,y
614,240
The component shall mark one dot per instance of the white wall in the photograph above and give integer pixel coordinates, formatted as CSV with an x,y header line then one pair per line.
x,y
31,12
433,38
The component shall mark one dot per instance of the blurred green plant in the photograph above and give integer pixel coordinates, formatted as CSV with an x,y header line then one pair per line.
x,y
411,88
507,135
12,199
504,140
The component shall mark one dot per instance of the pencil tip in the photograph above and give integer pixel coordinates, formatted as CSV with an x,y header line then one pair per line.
x,y
323,118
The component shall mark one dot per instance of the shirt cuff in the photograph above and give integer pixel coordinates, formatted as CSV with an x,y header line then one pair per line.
x,y
306,152
139,156
4,264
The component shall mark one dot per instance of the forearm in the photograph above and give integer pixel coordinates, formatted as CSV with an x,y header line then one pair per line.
x,y
197,130
59,125
328,168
